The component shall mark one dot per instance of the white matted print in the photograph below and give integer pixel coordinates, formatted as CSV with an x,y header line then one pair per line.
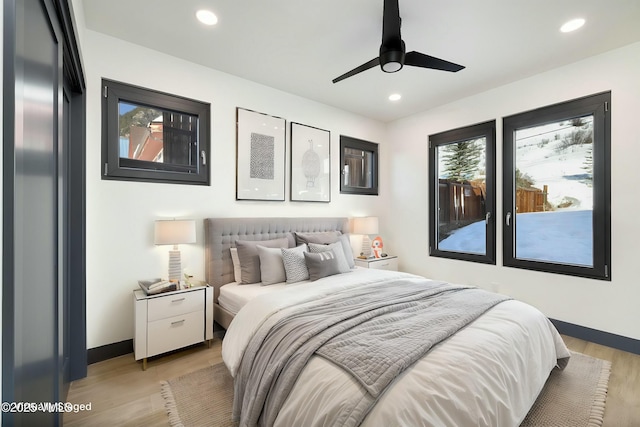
x,y
260,156
310,164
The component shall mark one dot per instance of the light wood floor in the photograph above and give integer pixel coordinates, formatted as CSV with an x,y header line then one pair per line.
x,y
121,394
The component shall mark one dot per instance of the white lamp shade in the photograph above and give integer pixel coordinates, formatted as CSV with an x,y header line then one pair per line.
x,y
173,232
365,225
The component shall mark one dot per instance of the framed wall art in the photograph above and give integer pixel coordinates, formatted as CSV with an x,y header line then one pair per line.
x,y
260,156
310,164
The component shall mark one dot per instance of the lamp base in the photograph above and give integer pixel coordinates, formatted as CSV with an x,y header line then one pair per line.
x,y
366,247
175,265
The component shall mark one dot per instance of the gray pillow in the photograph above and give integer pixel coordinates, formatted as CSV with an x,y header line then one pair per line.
x,y
321,264
323,237
250,260
336,247
271,265
295,266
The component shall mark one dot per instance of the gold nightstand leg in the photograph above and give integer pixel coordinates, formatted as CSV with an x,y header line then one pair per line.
x,y
144,364
209,342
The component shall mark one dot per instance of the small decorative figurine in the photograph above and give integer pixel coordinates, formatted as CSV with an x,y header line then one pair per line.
x,y
376,246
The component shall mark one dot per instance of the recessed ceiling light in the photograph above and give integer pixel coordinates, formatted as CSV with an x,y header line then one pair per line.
x,y
572,25
207,17
395,97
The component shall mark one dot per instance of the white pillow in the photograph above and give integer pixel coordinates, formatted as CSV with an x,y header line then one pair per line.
x,y
237,271
336,247
348,252
271,265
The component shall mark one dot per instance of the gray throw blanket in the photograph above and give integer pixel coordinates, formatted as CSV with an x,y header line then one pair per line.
x,y
374,332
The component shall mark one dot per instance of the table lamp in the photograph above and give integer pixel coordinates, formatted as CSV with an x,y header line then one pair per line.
x,y
366,226
175,232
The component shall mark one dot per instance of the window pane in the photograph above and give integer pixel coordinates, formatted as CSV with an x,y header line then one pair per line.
x,y
554,192
461,196
156,135
153,136
358,168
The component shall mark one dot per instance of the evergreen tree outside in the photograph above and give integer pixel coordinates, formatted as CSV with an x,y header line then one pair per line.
x,y
461,160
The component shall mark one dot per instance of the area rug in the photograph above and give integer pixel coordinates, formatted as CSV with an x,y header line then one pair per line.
x,y
201,398
574,397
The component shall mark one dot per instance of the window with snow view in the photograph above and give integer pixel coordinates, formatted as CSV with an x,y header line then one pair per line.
x,y
557,188
462,193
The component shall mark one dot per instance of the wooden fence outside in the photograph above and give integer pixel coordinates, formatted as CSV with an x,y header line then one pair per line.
x,y
460,202
531,199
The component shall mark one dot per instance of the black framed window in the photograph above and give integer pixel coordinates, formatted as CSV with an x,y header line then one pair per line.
x,y
462,200
557,188
359,163
153,136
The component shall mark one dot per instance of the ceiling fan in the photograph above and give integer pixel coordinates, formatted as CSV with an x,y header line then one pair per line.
x,y
392,50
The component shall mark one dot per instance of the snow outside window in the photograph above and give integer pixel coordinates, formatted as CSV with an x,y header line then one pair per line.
x,y
462,193
557,188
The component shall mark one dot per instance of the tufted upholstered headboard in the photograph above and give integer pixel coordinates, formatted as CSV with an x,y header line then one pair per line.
x,y
220,234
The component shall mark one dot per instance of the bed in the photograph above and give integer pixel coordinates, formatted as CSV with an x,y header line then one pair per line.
x,y
291,368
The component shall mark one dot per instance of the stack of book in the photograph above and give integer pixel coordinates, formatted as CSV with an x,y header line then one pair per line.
x,y
157,286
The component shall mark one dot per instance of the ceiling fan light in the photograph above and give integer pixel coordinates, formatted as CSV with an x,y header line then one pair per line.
x,y
391,67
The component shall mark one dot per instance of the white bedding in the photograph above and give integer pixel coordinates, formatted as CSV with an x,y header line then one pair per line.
x,y
234,296
488,374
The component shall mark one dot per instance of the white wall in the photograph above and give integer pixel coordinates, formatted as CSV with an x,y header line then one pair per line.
x,y
120,214
607,306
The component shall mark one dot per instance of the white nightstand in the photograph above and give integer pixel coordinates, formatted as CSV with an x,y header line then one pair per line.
x,y
386,263
171,320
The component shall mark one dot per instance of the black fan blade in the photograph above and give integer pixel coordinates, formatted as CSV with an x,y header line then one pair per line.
x,y
391,23
363,67
418,59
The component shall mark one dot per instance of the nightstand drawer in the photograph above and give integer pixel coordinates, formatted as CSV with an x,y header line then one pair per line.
x,y
174,305
385,264
175,332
